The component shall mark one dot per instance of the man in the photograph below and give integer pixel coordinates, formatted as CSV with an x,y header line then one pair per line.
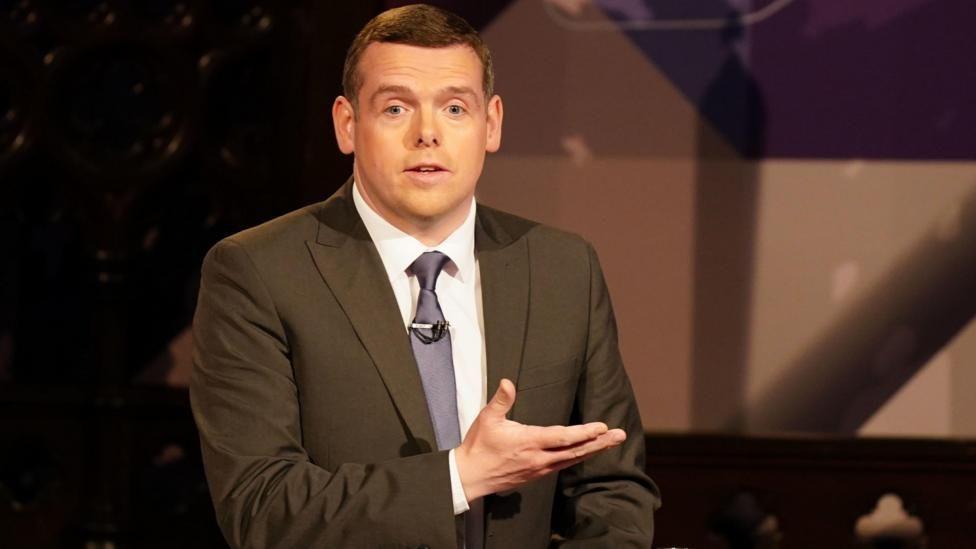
x,y
344,350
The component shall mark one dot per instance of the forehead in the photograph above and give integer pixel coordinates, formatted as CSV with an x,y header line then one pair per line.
x,y
384,63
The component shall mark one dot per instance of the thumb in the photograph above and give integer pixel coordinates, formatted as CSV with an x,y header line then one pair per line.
x,y
503,400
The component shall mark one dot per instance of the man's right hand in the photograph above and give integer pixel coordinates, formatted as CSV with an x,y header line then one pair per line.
x,y
498,454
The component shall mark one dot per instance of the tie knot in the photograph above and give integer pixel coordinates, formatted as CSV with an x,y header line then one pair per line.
x,y
427,267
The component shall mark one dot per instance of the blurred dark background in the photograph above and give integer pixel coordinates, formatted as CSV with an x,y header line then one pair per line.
x,y
134,135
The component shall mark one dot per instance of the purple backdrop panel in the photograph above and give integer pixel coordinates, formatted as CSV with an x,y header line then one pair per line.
x,y
478,14
819,78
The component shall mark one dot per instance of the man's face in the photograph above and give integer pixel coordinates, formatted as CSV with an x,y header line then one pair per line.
x,y
419,134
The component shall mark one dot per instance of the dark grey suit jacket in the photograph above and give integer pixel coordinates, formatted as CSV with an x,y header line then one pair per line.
x,y
312,419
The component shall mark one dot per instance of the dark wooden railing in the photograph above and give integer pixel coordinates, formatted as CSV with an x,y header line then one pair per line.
x,y
719,491
819,492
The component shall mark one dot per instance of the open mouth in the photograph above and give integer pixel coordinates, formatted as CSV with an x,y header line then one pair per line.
x,y
426,169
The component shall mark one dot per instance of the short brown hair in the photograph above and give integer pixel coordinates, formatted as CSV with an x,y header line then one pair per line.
x,y
415,25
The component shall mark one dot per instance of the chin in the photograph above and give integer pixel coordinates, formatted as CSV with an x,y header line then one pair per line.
x,y
428,216
431,211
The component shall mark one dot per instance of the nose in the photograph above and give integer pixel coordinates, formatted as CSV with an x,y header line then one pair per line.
x,y
427,132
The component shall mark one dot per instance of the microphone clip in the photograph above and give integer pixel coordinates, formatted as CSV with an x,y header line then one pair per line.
x,y
437,331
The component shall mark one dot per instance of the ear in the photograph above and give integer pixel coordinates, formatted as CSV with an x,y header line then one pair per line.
x,y
495,113
344,122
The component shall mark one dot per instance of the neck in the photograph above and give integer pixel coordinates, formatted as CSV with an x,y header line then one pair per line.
x,y
429,231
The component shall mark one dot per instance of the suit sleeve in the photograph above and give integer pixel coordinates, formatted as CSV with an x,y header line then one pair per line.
x,y
607,500
266,491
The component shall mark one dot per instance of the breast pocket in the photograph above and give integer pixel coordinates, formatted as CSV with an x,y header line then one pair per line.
x,y
546,393
536,377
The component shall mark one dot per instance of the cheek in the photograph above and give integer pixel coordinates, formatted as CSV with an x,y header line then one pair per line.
x,y
475,142
380,145
380,158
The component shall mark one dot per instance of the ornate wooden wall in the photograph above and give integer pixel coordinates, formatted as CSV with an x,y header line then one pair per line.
x,y
133,135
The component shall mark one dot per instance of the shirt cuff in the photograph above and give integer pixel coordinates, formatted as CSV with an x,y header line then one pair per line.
x,y
457,489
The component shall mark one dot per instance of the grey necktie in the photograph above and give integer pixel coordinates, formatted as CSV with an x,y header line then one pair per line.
x,y
431,342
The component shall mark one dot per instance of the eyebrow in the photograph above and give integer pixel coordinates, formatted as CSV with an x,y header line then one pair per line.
x,y
393,89
461,90
390,89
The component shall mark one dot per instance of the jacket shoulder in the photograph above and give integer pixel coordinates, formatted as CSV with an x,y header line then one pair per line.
x,y
536,233
294,227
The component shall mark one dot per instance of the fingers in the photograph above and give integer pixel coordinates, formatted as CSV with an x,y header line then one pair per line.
x,y
586,449
503,400
558,436
567,457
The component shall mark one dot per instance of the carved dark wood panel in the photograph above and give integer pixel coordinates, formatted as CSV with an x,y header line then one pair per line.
x,y
133,135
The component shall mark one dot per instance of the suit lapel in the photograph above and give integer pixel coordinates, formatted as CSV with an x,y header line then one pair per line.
x,y
504,265
350,265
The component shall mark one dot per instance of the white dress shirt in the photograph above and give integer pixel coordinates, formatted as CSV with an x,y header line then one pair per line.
x,y
459,295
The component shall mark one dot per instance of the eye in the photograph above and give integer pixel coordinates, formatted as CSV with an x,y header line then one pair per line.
x,y
455,110
395,110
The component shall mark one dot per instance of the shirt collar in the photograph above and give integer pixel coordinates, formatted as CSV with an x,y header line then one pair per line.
x,y
398,249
